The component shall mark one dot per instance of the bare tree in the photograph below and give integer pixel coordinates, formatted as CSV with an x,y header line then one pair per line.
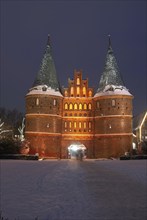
x,y
21,130
2,129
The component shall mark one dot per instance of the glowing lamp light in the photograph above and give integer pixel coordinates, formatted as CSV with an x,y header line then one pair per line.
x,y
75,147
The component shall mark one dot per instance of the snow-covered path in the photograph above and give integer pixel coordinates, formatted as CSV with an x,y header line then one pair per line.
x,y
74,190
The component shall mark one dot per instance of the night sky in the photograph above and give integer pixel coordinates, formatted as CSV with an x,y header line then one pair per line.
x,y
79,35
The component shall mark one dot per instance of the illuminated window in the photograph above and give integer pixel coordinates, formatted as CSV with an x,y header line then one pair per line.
x,y
89,106
90,93
66,106
70,106
65,124
75,124
84,125
70,124
37,101
72,90
75,106
80,125
78,91
85,106
113,102
89,124
78,81
80,106
84,90
65,93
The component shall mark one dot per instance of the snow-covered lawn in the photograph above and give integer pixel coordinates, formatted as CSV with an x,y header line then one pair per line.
x,y
74,190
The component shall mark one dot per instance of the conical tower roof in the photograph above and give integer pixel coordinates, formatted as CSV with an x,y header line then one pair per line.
x,y
110,79
47,73
111,74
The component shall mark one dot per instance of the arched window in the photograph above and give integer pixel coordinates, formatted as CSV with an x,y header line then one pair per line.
x,y
37,101
75,106
85,106
66,106
70,106
85,125
80,106
70,124
78,91
89,106
84,91
80,125
72,91
65,124
90,93
65,93
75,124
78,81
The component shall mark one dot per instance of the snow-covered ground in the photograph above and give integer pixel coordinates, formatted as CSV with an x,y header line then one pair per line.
x,y
74,190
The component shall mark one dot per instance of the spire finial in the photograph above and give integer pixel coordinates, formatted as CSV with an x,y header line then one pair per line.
x,y
49,40
109,36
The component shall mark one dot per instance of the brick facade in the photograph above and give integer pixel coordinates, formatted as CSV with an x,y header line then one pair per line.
x,y
103,124
100,123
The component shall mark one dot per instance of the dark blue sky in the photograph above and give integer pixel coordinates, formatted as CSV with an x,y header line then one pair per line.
x,y
79,35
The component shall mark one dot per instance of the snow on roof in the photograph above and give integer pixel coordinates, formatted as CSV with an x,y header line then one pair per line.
x,y
113,90
44,90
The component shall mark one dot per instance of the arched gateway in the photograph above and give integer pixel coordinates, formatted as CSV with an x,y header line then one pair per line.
x,y
55,119
77,151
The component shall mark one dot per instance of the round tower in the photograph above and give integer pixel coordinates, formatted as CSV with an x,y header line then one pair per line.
x,y
44,110
113,112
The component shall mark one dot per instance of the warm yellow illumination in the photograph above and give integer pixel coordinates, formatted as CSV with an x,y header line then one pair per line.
x,y
90,93
80,125
80,106
78,90
70,124
75,106
85,106
72,91
65,93
78,81
70,106
66,106
75,124
84,90
65,124
89,106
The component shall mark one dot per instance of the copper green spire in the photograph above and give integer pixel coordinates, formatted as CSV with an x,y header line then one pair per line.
x,y
111,74
47,73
